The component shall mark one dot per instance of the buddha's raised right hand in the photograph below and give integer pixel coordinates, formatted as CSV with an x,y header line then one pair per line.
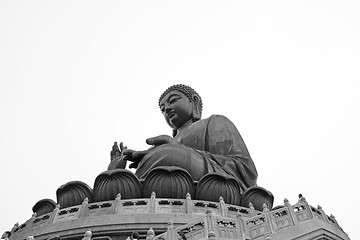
x,y
117,157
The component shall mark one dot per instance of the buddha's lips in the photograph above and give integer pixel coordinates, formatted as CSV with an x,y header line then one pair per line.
x,y
171,114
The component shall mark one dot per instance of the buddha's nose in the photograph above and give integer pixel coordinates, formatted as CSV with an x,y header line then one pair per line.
x,y
168,109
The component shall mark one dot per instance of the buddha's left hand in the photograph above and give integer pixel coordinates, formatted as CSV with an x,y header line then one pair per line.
x,y
160,140
136,156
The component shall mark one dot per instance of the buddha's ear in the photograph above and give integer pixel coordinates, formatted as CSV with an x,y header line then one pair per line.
x,y
196,112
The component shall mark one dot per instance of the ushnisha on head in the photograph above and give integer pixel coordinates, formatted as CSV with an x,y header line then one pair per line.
x,y
181,105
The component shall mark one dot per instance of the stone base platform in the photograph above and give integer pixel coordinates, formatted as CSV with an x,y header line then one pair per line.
x,y
169,219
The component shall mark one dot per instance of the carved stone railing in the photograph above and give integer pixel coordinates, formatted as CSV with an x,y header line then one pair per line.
x,y
208,227
258,226
134,206
219,220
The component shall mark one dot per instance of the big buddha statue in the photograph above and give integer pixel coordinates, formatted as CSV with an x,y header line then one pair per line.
x,y
186,186
209,148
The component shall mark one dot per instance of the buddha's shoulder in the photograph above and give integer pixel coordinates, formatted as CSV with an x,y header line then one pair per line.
x,y
218,122
214,119
217,118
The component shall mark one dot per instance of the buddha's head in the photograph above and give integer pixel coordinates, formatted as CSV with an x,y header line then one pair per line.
x,y
180,104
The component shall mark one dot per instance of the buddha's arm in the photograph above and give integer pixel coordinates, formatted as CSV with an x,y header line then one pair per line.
x,y
226,148
240,166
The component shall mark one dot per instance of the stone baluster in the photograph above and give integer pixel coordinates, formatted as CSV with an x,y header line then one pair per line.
x,y
150,234
268,218
188,204
323,214
117,203
54,213
291,212
83,211
16,225
252,211
211,235
244,231
210,221
332,217
33,216
152,204
87,235
170,233
223,209
308,208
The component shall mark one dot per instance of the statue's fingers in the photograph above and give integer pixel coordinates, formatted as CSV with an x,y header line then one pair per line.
x,y
115,146
139,154
162,139
128,152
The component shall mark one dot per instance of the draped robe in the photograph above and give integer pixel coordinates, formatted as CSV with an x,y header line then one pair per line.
x,y
206,146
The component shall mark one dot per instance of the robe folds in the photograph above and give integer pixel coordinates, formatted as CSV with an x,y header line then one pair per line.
x,y
206,146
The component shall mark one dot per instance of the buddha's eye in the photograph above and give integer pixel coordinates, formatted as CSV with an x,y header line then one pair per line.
x,y
173,100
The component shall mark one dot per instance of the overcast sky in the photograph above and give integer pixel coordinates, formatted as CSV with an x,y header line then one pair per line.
x,y
76,76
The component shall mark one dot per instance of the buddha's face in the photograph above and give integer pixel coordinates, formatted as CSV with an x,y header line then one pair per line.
x,y
176,108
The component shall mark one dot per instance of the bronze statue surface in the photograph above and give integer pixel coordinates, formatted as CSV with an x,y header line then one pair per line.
x,y
199,146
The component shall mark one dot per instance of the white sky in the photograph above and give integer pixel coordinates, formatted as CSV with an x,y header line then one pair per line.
x,y
75,76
